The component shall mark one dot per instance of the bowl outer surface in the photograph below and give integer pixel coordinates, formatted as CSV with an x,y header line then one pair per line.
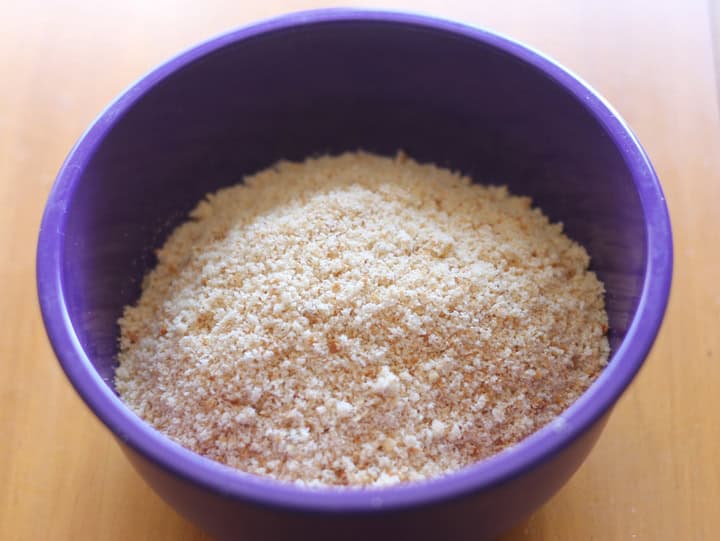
x,y
330,81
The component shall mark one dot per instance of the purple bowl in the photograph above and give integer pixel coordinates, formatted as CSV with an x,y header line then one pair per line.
x,y
328,81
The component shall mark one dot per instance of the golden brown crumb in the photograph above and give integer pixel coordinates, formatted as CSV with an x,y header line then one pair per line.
x,y
360,320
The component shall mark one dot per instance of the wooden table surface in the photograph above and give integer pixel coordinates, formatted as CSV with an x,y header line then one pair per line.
x,y
655,473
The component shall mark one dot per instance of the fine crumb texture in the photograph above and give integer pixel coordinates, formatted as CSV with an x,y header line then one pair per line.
x,y
361,320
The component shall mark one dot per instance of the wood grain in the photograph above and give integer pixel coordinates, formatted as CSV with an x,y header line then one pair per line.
x,y
654,475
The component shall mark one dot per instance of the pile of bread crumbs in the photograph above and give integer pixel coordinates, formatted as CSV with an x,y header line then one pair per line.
x,y
361,320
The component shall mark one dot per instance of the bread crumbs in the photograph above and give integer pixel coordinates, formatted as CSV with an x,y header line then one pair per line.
x,y
359,320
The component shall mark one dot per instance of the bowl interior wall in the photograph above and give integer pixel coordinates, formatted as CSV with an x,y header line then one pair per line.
x,y
328,88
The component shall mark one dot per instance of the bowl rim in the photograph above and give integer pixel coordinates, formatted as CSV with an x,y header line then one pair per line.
x,y
529,453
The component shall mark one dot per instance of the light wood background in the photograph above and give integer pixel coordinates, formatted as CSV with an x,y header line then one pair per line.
x,y
655,475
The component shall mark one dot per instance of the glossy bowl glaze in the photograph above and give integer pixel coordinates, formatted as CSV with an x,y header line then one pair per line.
x,y
325,82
